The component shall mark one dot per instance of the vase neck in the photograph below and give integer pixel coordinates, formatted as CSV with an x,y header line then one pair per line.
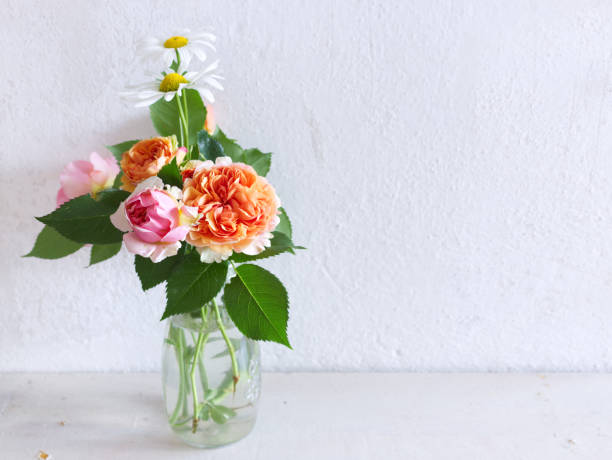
x,y
193,321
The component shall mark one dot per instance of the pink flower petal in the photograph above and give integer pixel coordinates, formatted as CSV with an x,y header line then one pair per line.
x,y
137,246
75,178
164,250
61,197
176,234
147,235
152,215
119,219
106,164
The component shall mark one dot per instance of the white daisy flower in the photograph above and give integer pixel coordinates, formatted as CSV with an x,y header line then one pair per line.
x,y
185,43
171,83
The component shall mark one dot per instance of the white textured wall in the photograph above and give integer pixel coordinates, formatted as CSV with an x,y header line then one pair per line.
x,y
448,165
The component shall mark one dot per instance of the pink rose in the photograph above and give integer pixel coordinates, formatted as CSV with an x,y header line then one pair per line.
x,y
83,177
155,220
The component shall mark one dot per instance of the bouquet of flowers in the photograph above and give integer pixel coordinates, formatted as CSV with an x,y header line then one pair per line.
x,y
195,209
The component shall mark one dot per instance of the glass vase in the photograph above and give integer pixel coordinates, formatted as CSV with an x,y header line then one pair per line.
x,y
211,378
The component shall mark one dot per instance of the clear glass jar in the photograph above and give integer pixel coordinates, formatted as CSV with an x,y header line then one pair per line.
x,y
222,365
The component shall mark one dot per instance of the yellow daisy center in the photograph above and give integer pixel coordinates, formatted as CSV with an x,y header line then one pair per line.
x,y
175,42
171,82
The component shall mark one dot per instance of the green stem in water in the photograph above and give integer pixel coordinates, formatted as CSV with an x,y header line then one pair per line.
x,y
228,342
201,369
194,363
177,337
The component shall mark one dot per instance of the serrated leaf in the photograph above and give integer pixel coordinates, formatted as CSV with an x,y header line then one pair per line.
x,y
192,284
258,160
258,305
165,115
171,175
119,149
86,220
101,252
284,226
230,146
209,148
50,244
280,243
151,274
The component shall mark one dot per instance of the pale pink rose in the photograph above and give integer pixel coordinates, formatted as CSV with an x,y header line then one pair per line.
x,y
82,177
155,220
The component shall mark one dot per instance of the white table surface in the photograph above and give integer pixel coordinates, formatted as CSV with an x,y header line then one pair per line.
x,y
320,416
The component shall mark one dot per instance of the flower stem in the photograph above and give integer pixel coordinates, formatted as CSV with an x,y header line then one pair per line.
x,y
183,112
228,342
186,115
183,123
196,358
201,369
178,59
177,336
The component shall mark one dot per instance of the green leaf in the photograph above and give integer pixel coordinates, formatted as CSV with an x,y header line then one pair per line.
x,y
192,284
212,393
118,182
166,118
170,174
258,160
52,245
101,252
280,243
230,146
151,274
221,414
209,148
205,412
258,304
284,226
119,149
86,220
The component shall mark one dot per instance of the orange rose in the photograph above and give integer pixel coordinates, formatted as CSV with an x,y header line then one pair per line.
x,y
147,157
239,209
